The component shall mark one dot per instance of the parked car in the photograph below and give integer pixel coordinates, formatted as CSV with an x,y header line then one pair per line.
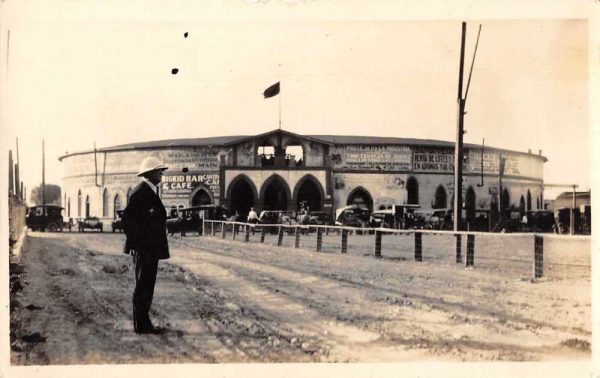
x,y
93,223
190,219
44,217
382,218
541,220
439,220
117,224
352,216
270,217
563,220
319,218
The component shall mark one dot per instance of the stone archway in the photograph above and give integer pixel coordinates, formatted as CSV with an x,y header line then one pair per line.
x,y
412,191
275,193
201,196
309,192
241,195
361,197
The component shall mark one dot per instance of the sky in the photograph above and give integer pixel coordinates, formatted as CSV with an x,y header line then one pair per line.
x,y
79,73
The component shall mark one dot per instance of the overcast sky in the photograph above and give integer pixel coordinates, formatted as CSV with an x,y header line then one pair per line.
x,y
79,72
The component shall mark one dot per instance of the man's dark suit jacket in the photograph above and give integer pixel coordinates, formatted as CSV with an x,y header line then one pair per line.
x,y
144,222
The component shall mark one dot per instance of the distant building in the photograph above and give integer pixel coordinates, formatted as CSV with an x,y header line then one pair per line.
x,y
282,170
565,199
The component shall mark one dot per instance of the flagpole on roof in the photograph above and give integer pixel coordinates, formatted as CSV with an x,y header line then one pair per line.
x,y
279,65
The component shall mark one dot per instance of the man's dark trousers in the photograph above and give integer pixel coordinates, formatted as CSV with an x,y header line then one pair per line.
x,y
146,266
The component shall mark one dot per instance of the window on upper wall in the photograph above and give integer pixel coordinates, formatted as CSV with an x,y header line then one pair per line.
x,y
266,156
294,156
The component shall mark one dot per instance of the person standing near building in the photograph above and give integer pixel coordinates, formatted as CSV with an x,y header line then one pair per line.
x,y
144,223
252,216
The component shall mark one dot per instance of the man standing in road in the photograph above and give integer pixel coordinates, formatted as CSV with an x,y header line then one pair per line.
x,y
144,221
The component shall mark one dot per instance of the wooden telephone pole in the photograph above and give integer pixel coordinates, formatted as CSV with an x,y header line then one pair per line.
x,y
458,148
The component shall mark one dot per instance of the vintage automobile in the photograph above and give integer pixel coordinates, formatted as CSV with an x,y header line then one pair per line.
x,y
563,220
479,221
117,223
382,218
92,223
190,219
319,218
439,220
541,221
45,217
352,216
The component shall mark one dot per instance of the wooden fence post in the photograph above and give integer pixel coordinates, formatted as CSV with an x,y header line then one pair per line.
x,y
247,236
378,243
280,236
538,259
418,246
458,248
319,239
470,250
262,234
344,241
223,230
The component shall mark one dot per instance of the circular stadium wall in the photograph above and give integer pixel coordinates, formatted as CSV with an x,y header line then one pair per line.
x,y
324,172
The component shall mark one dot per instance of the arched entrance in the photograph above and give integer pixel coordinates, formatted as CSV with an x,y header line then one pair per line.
x,y
79,203
117,205
412,189
528,200
200,196
87,206
361,197
128,195
241,195
309,193
504,200
440,200
275,194
105,203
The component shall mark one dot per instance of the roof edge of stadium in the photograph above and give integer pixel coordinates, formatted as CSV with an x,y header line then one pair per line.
x,y
326,139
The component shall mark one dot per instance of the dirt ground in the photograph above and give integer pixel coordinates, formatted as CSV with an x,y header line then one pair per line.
x,y
230,301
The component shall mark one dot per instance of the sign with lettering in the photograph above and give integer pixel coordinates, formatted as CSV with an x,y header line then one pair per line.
x,y
177,185
205,159
426,159
491,163
378,157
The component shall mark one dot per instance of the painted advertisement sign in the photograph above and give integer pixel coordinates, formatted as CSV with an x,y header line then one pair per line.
x,y
427,159
491,163
177,185
199,158
378,157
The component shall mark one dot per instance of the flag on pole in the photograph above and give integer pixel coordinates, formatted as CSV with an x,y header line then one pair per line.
x,y
272,91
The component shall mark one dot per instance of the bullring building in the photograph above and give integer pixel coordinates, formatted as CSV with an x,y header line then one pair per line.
x,y
281,170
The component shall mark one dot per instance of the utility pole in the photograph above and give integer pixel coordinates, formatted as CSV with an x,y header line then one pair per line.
x,y
17,177
458,148
458,152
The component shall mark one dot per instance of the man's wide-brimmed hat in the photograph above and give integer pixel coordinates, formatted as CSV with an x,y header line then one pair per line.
x,y
151,163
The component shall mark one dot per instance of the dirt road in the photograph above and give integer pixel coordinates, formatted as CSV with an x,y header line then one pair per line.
x,y
228,301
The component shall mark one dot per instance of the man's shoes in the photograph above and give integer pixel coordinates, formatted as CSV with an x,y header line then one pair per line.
x,y
150,330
